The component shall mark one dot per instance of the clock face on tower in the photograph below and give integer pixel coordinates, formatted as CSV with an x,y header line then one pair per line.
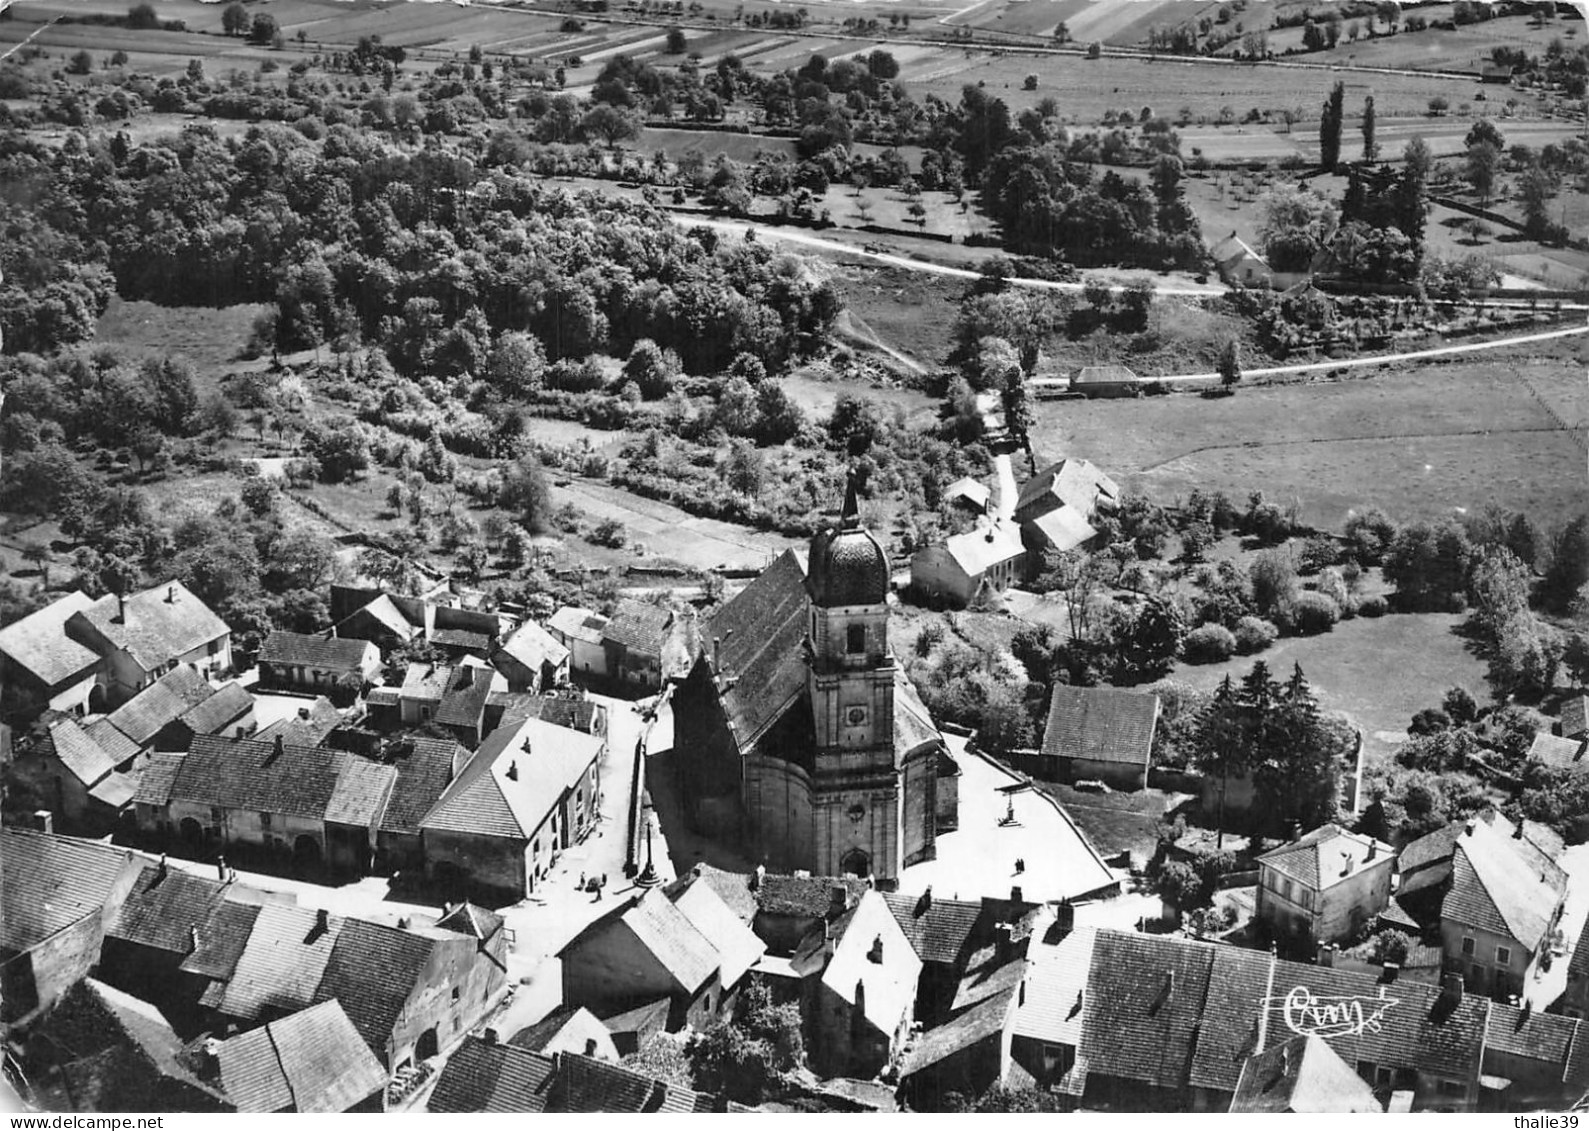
x,y
855,716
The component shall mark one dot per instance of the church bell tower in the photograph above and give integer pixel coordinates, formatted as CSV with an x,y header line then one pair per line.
x,y
856,794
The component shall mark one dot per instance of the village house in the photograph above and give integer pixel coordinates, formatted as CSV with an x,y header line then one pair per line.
x,y
645,949
81,784
532,659
425,768
960,944
858,996
309,724
969,566
1501,908
568,1029
970,494
410,992
1304,1076
141,636
1097,734
102,1050
312,806
440,618
45,669
528,793
580,631
336,666
146,717
1324,887
310,1061
486,1076
1056,507
58,894
1106,381
966,1055
636,641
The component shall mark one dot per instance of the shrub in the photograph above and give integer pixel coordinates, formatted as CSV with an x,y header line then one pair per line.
x,y
1313,613
1375,606
1254,634
1209,644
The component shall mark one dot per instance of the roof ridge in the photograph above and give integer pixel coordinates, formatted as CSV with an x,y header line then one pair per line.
x,y
275,1051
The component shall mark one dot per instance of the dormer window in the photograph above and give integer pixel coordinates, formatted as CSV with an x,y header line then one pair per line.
x,y
855,639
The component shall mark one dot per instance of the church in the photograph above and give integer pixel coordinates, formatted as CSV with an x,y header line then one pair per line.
x,y
798,735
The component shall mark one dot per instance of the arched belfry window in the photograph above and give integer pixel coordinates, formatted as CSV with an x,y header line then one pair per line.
x,y
855,639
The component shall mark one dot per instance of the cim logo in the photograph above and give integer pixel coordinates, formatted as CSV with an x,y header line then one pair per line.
x,y
1309,1015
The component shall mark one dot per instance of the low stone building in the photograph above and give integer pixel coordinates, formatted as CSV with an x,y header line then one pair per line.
x,y
336,666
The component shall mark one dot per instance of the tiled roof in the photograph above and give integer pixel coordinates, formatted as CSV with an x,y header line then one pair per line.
x,y
304,729
1326,856
1538,1036
1414,1029
534,647
94,1018
804,896
733,888
38,643
282,962
110,740
537,1036
756,635
161,909
913,724
464,703
890,985
514,780
1144,1005
161,703
577,624
738,949
426,681
303,781
1101,724
216,713
563,709
161,624
221,940
639,627
1074,483
1303,1075
79,753
647,1017
423,774
1495,887
1056,986
1091,374
461,638
483,1077
1063,528
384,611
310,1061
49,882
585,1084
360,795
977,551
970,489
159,774
373,970
116,790
939,930
328,653
965,1031
1575,715
471,919
1559,753
688,956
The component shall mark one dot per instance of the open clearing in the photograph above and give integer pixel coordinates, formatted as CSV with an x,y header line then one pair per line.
x,y
1419,444
1379,671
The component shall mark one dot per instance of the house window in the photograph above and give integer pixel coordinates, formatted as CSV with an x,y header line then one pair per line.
x,y
424,714
1384,1077
215,647
264,820
1467,945
456,993
855,639
1503,955
1452,1088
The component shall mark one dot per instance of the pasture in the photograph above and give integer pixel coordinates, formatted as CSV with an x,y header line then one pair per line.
x,y
1378,671
1418,442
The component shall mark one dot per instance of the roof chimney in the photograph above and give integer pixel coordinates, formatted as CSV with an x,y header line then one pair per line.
x,y
1346,863
1517,832
924,902
171,594
121,609
590,1046
303,713
1373,850
193,939
757,877
1325,956
876,953
1004,940
1016,894
1065,917
165,867
1389,973
465,676
277,747
513,770
322,920
1468,829
1450,990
